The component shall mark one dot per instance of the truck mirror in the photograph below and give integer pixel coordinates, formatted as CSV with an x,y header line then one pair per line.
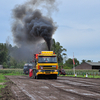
x,y
35,60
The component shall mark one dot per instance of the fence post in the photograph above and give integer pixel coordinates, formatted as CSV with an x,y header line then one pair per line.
x,y
93,74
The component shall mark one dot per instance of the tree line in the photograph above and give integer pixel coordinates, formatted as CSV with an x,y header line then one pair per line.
x,y
6,60
10,62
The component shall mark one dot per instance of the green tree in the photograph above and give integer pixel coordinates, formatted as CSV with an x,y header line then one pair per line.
x,y
5,65
89,61
76,62
3,53
69,62
13,62
83,61
6,58
58,49
64,57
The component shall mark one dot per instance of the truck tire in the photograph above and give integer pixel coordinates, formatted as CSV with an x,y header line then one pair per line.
x,y
55,77
34,74
37,77
34,77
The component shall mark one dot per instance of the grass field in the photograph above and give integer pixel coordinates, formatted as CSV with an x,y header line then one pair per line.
x,y
82,73
12,71
6,72
2,81
70,71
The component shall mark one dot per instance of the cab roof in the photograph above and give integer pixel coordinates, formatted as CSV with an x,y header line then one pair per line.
x,y
47,53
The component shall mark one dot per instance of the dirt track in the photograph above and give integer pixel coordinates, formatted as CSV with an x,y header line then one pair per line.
x,y
64,88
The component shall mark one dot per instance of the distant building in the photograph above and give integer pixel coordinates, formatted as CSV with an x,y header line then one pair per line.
x,y
1,66
89,65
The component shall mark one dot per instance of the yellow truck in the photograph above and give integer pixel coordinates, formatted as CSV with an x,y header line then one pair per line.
x,y
45,65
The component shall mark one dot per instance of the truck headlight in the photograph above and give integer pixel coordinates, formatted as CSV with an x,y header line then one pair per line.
x,y
39,70
55,70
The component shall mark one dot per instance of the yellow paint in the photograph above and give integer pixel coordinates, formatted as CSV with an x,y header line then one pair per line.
x,y
47,64
46,52
44,73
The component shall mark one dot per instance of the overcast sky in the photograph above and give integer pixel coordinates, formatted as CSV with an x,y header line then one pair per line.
x,y
78,26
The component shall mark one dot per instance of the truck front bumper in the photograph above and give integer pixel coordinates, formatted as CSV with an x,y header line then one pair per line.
x,y
46,73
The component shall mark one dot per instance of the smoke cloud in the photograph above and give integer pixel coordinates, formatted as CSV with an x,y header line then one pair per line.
x,y
33,24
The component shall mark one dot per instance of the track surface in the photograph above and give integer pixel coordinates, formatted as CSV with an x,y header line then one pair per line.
x,y
64,88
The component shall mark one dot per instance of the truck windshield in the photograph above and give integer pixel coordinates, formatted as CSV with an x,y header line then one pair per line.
x,y
47,59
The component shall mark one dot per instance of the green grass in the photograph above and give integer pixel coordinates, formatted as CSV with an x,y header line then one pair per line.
x,y
13,74
7,72
2,86
2,78
81,73
13,71
2,81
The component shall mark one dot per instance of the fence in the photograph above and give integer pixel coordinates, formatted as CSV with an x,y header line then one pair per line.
x,y
83,72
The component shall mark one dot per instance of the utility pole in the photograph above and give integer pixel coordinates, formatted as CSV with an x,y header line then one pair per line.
x,y
73,64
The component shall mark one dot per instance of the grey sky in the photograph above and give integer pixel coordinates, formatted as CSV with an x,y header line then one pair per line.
x,y
78,26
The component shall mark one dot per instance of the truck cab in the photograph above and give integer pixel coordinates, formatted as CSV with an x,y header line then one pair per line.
x,y
46,65
26,68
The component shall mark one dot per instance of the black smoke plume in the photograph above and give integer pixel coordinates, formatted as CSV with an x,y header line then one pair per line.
x,y
30,26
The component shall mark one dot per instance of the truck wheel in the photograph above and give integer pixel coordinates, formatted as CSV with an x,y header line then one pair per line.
x,y
55,77
37,77
34,77
34,72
